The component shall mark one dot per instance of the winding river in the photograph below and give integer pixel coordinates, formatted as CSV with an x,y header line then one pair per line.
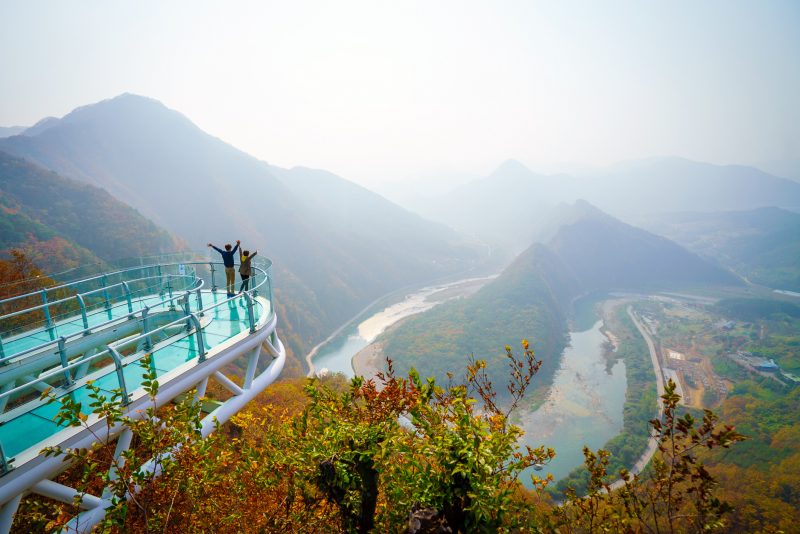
x,y
583,407
336,355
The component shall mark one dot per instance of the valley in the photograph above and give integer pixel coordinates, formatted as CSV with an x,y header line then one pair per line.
x,y
476,267
353,350
613,310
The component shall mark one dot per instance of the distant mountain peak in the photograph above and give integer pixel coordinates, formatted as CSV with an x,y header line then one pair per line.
x,y
568,214
120,104
511,167
121,109
606,253
40,126
587,208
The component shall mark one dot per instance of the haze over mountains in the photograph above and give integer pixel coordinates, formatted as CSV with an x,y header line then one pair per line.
x,y
62,223
762,245
330,261
337,246
8,131
512,204
589,251
604,253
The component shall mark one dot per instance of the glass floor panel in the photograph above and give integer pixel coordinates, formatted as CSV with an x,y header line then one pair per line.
x,y
28,429
25,431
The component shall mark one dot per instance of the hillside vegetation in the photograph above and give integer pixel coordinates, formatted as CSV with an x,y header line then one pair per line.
x,y
333,457
762,245
61,223
589,252
335,246
526,301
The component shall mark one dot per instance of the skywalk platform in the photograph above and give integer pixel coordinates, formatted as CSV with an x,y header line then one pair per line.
x,y
107,331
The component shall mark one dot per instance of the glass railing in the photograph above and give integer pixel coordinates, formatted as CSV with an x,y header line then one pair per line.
x,y
171,314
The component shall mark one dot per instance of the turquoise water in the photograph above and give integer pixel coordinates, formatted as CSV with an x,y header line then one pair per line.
x,y
337,356
584,405
28,425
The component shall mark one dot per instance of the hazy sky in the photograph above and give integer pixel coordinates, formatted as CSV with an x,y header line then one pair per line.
x,y
382,91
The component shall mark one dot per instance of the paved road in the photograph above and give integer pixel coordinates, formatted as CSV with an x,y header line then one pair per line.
x,y
652,445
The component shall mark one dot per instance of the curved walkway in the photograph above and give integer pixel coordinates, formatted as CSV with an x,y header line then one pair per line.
x,y
185,336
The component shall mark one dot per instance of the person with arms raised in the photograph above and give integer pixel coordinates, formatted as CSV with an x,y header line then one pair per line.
x,y
227,260
245,269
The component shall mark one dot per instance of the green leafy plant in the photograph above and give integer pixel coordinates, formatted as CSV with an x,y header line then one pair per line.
x,y
678,494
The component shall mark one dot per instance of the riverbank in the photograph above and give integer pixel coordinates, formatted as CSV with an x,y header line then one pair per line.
x,y
369,361
633,447
583,405
338,353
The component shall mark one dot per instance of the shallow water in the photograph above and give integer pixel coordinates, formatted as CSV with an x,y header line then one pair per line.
x,y
584,405
337,355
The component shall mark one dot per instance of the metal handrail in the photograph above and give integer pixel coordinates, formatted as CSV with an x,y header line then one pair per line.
x,y
122,271
84,279
264,264
55,371
196,283
87,293
93,310
99,326
120,265
67,299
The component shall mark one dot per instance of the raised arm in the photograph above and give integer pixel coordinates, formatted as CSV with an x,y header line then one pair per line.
x,y
236,247
254,254
215,248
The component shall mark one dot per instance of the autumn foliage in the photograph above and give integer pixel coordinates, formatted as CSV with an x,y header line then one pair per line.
x,y
390,454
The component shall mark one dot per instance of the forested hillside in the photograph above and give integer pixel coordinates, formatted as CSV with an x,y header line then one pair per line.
x,y
528,300
589,251
61,223
762,245
327,266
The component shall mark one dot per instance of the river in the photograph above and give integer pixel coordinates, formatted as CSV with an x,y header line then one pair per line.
x,y
336,355
584,405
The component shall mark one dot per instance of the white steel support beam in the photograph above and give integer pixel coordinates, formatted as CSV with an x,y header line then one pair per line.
x,y
7,513
81,371
87,520
229,384
252,364
24,477
8,386
65,494
123,444
201,389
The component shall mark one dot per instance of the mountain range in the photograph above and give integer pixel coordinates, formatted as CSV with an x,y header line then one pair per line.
x,y
510,207
61,223
589,251
336,246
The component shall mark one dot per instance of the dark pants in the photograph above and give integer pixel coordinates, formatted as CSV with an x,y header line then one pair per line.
x,y
245,283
